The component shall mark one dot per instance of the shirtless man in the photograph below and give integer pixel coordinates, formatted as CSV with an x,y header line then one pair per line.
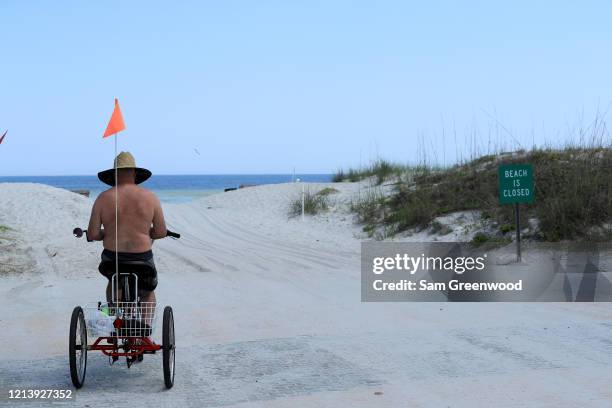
x,y
141,220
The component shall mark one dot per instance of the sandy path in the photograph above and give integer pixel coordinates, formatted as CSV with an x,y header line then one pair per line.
x,y
266,315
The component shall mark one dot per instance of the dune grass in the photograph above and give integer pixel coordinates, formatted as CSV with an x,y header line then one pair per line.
x,y
314,202
327,191
369,205
4,268
381,170
3,230
573,195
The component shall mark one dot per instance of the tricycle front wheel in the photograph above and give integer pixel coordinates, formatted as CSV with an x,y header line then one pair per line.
x,y
77,347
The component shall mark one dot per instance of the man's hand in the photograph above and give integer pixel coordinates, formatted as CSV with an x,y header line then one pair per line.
x,y
101,236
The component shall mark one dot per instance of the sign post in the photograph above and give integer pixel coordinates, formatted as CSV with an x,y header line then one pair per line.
x,y
515,187
517,214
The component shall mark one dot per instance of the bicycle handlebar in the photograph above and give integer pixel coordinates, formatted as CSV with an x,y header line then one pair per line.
x,y
78,232
172,234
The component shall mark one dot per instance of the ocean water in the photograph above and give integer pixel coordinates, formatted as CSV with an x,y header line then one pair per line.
x,y
171,189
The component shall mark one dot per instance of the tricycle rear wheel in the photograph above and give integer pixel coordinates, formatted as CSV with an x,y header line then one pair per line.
x,y
168,346
77,347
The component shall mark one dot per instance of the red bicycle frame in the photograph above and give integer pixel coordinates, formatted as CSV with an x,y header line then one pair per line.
x,y
144,345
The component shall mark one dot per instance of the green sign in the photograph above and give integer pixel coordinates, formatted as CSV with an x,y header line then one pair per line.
x,y
515,183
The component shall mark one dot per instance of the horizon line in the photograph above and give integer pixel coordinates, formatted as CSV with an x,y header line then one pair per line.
x,y
178,174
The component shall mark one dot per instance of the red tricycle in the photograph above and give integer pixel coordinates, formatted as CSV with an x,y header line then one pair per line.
x,y
122,327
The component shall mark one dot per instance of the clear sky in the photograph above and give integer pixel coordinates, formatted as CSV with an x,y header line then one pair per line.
x,y
263,87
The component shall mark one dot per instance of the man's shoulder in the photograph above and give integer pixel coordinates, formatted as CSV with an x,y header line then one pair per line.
x,y
146,193
104,199
104,194
133,191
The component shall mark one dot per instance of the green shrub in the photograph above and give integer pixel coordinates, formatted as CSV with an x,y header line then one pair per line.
x,y
354,175
313,203
3,229
339,176
480,238
573,193
369,206
382,170
327,191
438,228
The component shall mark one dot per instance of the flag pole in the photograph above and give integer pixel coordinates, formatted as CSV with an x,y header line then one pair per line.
x,y
116,222
116,125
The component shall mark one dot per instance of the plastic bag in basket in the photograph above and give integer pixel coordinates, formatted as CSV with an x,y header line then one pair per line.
x,y
100,324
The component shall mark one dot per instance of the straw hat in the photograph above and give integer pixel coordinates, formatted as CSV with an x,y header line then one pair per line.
x,y
124,160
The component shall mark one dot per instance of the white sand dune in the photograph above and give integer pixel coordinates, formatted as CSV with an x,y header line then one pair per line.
x,y
268,313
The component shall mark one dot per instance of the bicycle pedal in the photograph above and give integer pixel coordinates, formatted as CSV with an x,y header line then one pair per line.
x,y
134,360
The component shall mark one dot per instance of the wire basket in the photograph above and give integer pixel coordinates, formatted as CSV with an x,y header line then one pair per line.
x,y
120,319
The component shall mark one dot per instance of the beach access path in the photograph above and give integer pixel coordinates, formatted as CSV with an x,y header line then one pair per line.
x,y
268,314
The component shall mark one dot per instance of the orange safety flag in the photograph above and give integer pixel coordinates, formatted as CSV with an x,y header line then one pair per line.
x,y
115,124
2,138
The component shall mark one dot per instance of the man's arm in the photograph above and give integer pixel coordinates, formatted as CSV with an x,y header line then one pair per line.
x,y
158,230
94,230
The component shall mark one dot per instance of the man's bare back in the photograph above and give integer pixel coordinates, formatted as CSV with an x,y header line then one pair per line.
x,y
140,219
